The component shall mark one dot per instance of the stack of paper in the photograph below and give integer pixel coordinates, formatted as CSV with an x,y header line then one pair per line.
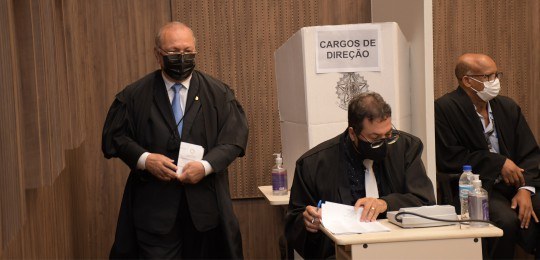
x,y
342,219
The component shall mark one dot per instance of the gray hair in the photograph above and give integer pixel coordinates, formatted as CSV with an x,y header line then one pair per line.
x,y
157,40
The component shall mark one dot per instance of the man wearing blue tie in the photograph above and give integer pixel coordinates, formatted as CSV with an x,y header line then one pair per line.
x,y
169,211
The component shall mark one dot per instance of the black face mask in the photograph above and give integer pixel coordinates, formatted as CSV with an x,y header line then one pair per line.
x,y
178,69
365,151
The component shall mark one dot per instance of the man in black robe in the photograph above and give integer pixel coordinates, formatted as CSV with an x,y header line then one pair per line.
x,y
476,126
341,169
165,214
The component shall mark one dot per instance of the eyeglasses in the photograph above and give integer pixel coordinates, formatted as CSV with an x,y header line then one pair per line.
x,y
394,136
176,56
491,77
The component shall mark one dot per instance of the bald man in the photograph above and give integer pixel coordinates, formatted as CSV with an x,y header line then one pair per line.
x,y
476,126
169,211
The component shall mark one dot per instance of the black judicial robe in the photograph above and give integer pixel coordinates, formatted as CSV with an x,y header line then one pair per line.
x,y
320,175
141,120
460,138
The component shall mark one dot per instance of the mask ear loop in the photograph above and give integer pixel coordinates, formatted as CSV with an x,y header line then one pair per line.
x,y
475,91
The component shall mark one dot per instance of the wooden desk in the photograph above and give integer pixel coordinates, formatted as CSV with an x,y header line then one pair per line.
x,y
448,242
274,200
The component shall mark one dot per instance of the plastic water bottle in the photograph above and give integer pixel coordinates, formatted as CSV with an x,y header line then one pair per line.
x,y
478,203
465,187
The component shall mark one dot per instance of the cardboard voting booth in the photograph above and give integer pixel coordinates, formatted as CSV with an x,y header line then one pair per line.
x,y
320,68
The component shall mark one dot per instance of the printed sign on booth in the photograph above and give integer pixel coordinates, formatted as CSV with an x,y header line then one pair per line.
x,y
349,48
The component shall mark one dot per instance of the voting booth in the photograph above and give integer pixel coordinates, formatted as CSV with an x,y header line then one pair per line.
x,y
320,68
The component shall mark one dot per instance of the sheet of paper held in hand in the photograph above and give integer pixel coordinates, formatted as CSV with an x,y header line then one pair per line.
x,y
342,219
188,152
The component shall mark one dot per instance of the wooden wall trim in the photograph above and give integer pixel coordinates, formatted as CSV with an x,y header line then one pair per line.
x,y
12,210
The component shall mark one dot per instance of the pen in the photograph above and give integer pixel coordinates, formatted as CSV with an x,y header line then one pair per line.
x,y
318,207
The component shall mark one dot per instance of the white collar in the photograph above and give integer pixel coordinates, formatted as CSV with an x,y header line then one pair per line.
x,y
169,84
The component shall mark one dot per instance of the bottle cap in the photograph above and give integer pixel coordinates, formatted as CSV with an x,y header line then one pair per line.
x,y
467,168
476,182
279,160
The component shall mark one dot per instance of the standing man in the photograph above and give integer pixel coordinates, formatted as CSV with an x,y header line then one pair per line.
x,y
476,126
165,214
370,165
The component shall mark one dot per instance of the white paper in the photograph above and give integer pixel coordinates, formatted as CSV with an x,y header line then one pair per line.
x,y
342,219
348,48
188,152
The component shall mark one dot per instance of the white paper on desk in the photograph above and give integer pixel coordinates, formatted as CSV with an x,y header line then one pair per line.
x,y
188,152
342,219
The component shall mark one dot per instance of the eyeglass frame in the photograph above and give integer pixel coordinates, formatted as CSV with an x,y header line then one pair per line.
x,y
182,55
497,75
394,136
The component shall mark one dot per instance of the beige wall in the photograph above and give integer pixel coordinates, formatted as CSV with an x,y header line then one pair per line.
x,y
61,63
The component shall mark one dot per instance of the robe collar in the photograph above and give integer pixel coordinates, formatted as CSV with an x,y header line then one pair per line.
x,y
161,99
344,190
467,108
193,102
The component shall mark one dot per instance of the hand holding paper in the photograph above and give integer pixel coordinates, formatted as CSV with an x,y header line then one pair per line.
x,y
188,152
160,166
343,219
190,170
192,173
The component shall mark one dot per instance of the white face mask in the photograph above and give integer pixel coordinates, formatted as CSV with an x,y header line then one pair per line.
x,y
490,91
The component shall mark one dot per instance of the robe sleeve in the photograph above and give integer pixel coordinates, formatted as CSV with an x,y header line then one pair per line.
x,y
232,134
417,188
525,153
451,155
307,244
118,133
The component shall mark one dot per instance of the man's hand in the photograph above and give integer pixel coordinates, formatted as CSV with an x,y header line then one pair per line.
x,y
162,167
312,218
192,173
512,174
522,199
372,208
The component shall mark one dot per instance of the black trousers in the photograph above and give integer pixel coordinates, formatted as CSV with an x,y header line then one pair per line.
x,y
183,242
506,218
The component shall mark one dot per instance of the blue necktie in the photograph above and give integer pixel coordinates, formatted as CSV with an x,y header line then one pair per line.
x,y
177,108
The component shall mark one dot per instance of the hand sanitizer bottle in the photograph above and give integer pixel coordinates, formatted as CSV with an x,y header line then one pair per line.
x,y
478,203
279,177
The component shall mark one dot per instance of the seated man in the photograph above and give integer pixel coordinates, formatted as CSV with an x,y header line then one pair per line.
x,y
369,165
475,126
